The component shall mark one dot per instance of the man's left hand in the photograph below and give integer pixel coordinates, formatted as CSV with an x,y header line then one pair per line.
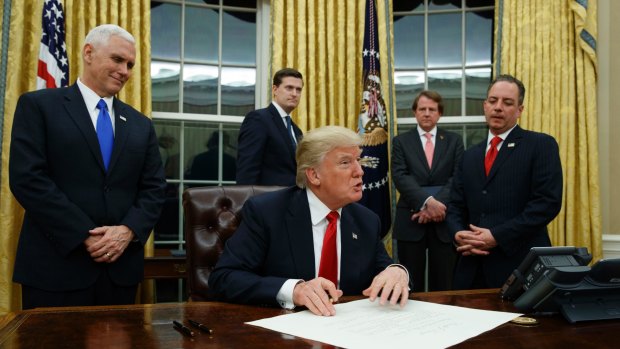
x,y
107,243
392,283
478,241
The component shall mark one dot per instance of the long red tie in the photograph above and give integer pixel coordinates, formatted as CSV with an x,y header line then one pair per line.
x,y
491,154
328,267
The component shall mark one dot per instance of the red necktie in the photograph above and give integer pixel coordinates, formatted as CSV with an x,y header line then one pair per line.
x,y
491,154
428,149
328,267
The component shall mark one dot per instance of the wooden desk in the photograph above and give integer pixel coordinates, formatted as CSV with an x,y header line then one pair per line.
x,y
149,326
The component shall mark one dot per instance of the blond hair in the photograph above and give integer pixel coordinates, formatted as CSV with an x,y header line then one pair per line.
x,y
317,143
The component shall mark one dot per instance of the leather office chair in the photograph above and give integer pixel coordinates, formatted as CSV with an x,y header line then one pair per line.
x,y
212,214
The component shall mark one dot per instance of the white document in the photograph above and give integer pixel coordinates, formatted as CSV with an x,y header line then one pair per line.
x,y
365,324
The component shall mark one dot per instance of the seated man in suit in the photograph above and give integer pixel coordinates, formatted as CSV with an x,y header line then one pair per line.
x,y
314,232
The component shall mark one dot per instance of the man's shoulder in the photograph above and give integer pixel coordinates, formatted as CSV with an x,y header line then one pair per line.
x,y
48,93
127,110
268,199
535,138
360,211
448,134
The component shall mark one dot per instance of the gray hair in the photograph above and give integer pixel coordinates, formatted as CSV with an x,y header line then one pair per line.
x,y
101,34
317,143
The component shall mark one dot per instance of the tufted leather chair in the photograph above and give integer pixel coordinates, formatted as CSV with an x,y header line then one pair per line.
x,y
212,214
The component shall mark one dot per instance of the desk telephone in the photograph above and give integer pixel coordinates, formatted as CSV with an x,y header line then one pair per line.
x,y
557,280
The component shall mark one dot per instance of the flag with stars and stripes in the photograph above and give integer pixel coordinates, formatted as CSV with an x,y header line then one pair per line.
x,y
53,67
373,126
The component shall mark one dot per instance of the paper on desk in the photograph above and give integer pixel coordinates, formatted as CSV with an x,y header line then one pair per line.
x,y
365,324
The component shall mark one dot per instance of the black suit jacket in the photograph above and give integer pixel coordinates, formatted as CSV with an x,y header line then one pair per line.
x,y
56,173
411,173
274,243
521,195
266,154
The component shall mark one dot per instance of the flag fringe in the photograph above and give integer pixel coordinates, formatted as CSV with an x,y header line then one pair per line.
x,y
378,136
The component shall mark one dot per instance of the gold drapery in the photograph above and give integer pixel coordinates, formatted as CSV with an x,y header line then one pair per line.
x,y
323,39
550,46
23,50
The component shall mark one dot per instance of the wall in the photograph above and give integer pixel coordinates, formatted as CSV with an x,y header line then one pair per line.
x,y
608,49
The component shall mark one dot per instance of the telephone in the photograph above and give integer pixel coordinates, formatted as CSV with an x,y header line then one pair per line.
x,y
557,279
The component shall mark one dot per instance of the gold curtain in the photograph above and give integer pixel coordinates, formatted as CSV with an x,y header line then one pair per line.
x,y
323,39
550,46
23,50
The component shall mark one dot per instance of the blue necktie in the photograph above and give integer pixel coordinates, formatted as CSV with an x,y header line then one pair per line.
x,y
289,127
105,133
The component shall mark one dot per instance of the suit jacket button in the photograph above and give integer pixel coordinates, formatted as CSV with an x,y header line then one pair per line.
x,y
106,189
484,192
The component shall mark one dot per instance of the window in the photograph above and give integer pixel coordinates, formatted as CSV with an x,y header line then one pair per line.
x,y
446,46
205,59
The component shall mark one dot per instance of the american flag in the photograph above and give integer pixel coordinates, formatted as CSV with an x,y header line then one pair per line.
x,y
373,126
53,67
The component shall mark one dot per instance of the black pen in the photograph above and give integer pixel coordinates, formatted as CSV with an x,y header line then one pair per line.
x,y
182,328
200,326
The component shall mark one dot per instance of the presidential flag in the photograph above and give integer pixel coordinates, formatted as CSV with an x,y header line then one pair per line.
x,y
53,67
373,126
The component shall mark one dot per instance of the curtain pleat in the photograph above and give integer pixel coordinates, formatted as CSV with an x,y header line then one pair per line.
x,y
550,46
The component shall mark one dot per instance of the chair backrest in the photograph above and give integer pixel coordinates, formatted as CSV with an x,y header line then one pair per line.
x,y
212,214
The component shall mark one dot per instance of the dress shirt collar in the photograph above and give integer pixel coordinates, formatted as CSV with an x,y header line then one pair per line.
x,y
318,210
280,110
421,132
91,98
503,136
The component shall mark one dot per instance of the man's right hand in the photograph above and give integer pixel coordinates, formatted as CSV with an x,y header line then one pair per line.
x,y
318,295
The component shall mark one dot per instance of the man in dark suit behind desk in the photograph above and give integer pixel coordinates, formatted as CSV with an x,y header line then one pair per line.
x,y
314,232
506,190
89,209
268,137
423,163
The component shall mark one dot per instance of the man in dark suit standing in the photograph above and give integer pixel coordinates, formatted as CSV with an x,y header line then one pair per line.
x,y
423,163
314,232
268,137
86,168
506,190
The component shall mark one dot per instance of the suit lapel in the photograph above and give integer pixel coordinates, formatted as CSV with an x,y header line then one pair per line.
x,y
441,147
418,150
279,124
299,227
508,147
121,131
349,250
79,113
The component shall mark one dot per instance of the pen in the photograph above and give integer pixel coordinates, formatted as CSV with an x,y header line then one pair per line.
x,y
200,326
182,328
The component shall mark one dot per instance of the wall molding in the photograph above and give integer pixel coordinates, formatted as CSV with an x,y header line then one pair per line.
x,y
611,246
